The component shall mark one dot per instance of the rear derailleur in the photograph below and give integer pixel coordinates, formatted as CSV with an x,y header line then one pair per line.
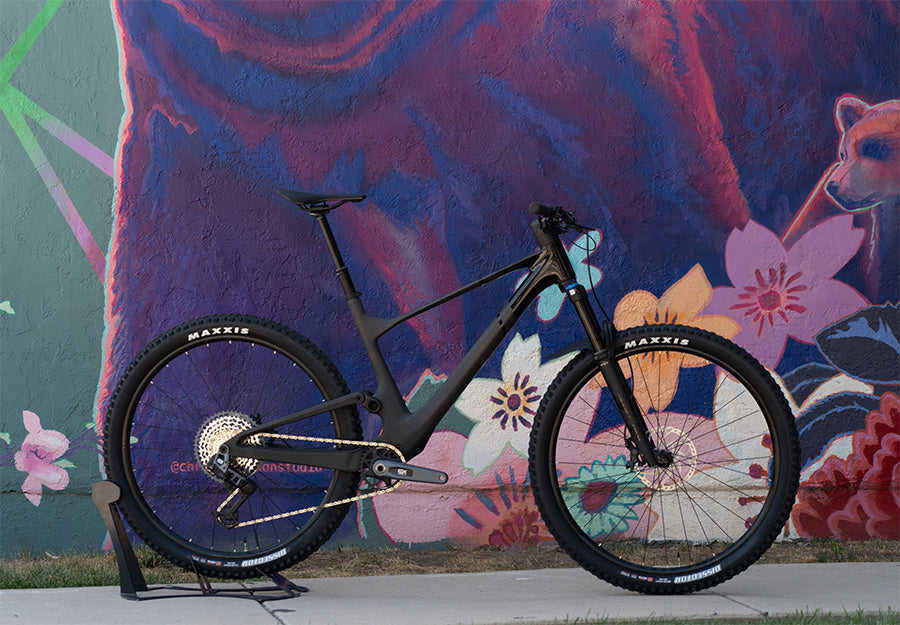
x,y
220,466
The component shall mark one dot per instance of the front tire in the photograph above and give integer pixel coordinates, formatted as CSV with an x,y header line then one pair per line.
x,y
701,520
192,389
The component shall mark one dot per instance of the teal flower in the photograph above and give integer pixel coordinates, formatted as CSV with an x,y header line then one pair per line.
x,y
603,496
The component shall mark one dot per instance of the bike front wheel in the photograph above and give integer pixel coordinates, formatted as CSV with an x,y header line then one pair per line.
x,y
714,509
191,390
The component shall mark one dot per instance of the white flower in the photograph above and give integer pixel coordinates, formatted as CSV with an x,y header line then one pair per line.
x,y
504,409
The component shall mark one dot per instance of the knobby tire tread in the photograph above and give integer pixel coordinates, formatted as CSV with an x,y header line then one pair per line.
x,y
301,546
540,443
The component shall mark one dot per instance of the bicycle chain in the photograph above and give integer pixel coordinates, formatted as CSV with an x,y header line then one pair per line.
x,y
330,504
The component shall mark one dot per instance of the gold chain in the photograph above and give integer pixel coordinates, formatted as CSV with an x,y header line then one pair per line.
x,y
330,504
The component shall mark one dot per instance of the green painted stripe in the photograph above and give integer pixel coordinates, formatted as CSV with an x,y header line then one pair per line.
x,y
15,55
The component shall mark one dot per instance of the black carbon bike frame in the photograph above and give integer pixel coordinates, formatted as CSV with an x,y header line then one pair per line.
x,y
410,431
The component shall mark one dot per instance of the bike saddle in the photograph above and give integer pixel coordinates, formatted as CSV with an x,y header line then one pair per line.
x,y
314,201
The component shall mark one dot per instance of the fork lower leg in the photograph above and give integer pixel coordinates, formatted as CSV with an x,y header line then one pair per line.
x,y
602,339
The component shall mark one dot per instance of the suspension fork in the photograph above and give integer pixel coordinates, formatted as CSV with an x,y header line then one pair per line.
x,y
602,338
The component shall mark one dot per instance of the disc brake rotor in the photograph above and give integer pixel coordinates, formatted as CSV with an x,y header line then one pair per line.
x,y
682,448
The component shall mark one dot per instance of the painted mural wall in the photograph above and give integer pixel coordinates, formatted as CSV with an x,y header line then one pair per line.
x,y
61,111
738,158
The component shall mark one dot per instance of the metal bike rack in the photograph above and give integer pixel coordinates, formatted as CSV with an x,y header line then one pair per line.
x,y
105,495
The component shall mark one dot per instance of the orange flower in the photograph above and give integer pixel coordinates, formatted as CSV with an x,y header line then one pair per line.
x,y
681,304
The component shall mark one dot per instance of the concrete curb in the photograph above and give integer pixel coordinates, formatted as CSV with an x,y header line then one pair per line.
x,y
508,597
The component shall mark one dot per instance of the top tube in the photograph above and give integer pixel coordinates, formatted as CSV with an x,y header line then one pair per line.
x,y
411,431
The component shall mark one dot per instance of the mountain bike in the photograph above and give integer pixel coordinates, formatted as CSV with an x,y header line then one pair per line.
x,y
663,458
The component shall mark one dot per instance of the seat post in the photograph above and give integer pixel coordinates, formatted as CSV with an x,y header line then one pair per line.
x,y
341,270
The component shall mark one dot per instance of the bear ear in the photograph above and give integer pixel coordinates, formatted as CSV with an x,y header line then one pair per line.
x,y
848,110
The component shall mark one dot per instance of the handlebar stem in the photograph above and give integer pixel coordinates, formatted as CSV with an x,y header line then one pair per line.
x,y
545,231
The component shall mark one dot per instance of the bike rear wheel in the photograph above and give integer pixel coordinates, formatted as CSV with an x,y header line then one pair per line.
x,y
708,515
194,388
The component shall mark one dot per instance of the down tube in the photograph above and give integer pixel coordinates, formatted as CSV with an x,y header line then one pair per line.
x,y
411,433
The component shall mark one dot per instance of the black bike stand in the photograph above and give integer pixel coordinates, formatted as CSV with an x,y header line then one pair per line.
x,y
105,494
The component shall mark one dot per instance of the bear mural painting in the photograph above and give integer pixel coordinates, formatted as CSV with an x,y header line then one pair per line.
x,y
867,179
527,107
699,137
864,181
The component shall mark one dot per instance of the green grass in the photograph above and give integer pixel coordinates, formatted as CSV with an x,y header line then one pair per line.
x,y
100,569
84,569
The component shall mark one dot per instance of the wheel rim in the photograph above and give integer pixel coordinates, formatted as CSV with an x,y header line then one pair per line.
x,y
190,403
687,516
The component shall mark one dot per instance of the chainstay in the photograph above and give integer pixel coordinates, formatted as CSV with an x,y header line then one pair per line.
x,y
330,504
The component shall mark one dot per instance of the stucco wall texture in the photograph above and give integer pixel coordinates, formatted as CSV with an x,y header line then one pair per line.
x,y
728,153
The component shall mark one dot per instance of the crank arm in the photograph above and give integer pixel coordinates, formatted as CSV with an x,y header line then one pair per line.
x,y
402,471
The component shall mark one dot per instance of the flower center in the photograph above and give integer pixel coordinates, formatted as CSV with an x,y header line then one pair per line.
x,y
597,495
770,300
517,402
519,527
656,317
36,451
773,297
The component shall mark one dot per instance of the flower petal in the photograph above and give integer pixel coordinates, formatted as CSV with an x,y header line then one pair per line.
x,y
52,444
521,355
487,442
837,235
826,302
634,309
767,347
32,489
751,243
723,325
32,421
688,296
51,476
474,402
655,380
437,502
549,303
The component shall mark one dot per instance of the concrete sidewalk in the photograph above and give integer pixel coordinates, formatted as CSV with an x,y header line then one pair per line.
x,y
520,597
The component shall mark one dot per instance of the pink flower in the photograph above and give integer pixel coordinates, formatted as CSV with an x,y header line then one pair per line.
x,y
430,501
781,292
855,498
504,515
488,508
39,450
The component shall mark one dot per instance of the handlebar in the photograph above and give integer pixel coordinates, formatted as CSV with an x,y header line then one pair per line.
x,y
542,210
557,216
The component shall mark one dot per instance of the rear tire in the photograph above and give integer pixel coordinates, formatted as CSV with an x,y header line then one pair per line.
x,y
192,389
712,512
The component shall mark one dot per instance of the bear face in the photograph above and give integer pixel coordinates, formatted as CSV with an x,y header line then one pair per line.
x,y
868,174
